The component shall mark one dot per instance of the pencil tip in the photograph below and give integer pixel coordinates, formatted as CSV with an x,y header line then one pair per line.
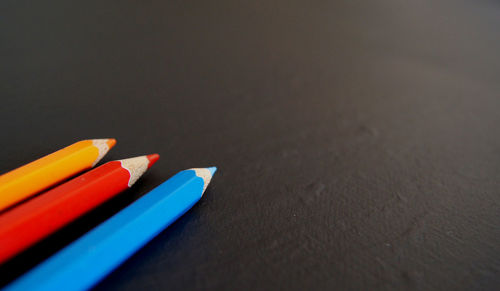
x,y
206,174
103,145
212,170
152,159
111,142
137,166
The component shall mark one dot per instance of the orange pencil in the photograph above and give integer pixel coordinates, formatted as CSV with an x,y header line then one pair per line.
x,y
29,222
36,176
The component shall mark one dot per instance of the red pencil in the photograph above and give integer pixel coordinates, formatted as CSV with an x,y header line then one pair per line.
x,y
35,219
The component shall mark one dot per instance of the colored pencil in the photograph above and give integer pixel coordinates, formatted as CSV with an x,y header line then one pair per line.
x,y
35,219
90,258
36,176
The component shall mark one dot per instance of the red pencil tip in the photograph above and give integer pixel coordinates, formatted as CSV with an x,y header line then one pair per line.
x,y
152,159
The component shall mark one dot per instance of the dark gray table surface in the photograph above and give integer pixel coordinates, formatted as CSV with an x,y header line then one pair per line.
x,y
358,142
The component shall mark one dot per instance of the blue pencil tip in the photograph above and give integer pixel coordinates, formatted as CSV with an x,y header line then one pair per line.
x,y
212,170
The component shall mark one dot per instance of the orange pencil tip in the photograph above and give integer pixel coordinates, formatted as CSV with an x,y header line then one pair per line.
x,y
152,159
111,142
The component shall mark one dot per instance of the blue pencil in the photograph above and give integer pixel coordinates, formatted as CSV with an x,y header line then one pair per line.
x,y
86,261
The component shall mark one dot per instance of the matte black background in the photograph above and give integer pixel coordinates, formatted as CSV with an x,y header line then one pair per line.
x,y
357,141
